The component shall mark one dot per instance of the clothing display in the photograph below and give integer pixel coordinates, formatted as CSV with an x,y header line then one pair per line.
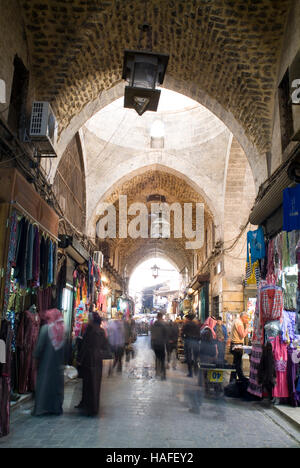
x,y
255,245
26,341
281,389
29,250
275,333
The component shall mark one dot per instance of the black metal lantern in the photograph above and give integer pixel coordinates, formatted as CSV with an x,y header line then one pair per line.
x,y
143,70
155,272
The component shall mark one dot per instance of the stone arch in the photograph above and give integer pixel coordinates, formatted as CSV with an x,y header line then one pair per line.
x,y
257,162
119,182
147,250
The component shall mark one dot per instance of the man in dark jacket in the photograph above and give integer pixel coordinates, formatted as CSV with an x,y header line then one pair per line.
x,y
159,337
172,343
191,336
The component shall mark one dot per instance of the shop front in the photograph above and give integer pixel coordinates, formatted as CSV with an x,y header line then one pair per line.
x,y
199,291
29,255
274,265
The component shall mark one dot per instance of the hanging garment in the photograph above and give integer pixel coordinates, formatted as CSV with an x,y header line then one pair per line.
x,y
36,258
252,273
292,368
11,258
5,380
290,285
291,208
44,302
266,373
294,237
271,303
26,341
288,326
55,259
50,263
298,261
29,252
272,329
255,388
271,263
280,356
255,245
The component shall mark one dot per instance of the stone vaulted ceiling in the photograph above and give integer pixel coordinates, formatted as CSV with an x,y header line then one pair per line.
x,y
138,189
225,49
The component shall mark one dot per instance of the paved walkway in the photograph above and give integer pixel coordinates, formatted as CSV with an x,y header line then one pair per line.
x,y
139,410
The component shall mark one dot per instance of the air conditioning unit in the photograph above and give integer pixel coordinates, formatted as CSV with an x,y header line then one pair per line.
x,y
98,258
43,129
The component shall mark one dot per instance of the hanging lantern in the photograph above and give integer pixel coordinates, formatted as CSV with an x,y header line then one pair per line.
x,y
155,269
143,71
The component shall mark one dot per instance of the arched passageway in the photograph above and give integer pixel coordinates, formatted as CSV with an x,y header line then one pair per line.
x,y
226,130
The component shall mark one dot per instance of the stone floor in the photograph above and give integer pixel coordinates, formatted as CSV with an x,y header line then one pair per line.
x,y
139,410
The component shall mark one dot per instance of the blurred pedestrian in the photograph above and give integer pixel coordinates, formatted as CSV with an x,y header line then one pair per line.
x,y
221,339
94,346
116,337
239,331
208,353
130,337
49,353
191,336
159,337
172,343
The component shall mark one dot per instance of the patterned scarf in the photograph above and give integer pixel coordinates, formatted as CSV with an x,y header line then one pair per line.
x,y
56,328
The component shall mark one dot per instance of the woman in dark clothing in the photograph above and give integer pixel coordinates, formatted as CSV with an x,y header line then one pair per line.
x,y
49,352
208,353
94,345
191,336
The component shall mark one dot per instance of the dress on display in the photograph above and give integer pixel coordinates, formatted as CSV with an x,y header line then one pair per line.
x,y
27,337
281,389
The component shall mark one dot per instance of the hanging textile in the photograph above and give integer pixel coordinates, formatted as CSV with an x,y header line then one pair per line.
x,y
36,258
26,341
292,368
271,303
281,389
291,207
252,272
255,388
288,327
5,380
255,245
11,258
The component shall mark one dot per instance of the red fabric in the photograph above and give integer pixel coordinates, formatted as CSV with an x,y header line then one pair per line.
x,y
281,389
56,327
210,323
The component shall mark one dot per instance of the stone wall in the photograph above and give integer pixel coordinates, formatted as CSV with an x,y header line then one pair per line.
x,y
12,42
69,185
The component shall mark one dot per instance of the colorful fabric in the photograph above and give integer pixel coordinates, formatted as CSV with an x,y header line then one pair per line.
x,y
271,303
254,387
280,356
255,245
292,369
210,323
288,326
56,328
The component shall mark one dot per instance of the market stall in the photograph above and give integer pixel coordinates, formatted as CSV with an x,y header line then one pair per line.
x,y
274,265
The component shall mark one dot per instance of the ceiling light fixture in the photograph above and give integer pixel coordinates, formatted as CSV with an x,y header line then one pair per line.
x,y
143,70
